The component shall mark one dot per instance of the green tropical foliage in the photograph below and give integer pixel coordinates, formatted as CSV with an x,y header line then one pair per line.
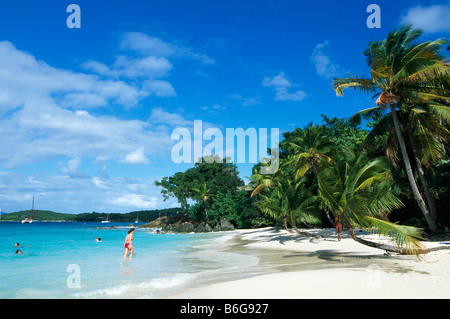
x,y
210,176
361,192
309,151
363,170
290,200
217,192
411,80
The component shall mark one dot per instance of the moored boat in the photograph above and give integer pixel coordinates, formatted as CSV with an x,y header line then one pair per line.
x,y
29,220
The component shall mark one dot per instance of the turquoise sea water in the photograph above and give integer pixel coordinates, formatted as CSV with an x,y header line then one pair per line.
x,y
62,260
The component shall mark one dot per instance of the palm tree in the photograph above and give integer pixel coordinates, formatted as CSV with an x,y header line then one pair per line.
x,y
404,73
205,194
426,136
258,182
310,152
291,200
360,190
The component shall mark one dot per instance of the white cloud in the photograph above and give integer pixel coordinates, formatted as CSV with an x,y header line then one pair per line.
x,y
283,95
145,44
22,73
44,131
160,88
246,101
64,194
137,201
145,67
148,69
215,108
37,123
147,60
277,81
85,100
435,18
96,67
46,119
137,157
321,59
72,169
160,116
99,183
280,84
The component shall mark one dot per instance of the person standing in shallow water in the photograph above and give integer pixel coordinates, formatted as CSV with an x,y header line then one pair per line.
x,y
129,244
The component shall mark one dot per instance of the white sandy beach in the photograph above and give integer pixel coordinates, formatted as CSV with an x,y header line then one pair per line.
x,y
381,276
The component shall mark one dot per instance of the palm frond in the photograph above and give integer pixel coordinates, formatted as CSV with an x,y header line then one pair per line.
x,y
442,110
360,84
428,135
366,114
404,236
429,96
427,72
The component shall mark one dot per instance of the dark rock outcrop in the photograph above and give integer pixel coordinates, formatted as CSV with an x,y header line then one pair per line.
x,y
183,224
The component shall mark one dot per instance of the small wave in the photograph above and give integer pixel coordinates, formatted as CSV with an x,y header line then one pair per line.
x,y
151,288
168,282
224,238
218,242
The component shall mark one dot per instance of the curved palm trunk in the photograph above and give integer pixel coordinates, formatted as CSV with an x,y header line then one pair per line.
x,y
325,210
376,245
423,180
409,173
390,248
306,234
286,226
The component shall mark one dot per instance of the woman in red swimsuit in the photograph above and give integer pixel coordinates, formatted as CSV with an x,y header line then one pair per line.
x,y
129,244
338,227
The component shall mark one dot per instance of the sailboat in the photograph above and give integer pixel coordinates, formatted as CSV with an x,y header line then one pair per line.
x,y
137,219
29,220
106,220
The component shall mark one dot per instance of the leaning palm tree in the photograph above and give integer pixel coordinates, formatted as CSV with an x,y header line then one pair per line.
x,y
360,191
404,73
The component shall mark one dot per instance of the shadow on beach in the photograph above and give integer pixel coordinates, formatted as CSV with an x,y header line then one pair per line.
x,y
290,260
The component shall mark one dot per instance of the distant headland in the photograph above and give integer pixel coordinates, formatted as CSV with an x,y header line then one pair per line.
x,y
46,215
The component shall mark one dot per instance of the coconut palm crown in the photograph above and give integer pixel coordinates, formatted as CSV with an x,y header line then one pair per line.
x,y
413,78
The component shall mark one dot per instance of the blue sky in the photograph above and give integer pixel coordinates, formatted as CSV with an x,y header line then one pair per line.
x,y
86,114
